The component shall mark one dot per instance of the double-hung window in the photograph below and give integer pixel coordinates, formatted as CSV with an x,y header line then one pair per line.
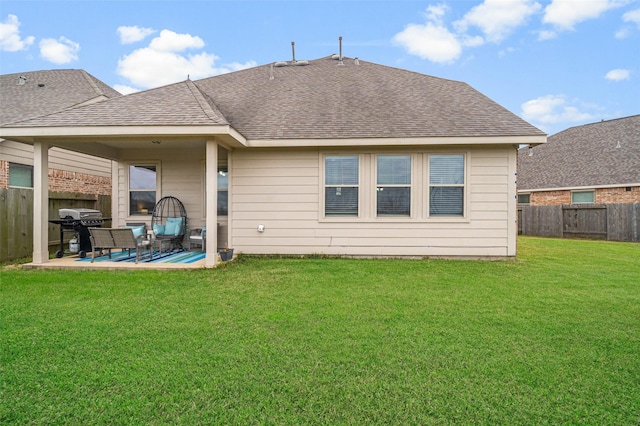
x,y
446,185
341,184
142,189
393,189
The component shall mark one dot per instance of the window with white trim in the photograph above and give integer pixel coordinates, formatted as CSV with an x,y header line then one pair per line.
x,y
583,197
524,199
142,189
393,189
446,185
341,185
20,175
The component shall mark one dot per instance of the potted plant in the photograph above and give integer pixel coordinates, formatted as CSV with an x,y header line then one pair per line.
x,y
225,253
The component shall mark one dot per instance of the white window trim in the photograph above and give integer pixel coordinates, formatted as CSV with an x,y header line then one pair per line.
x,y
158,167
9,163
518,199
361,176
466,188
367,184
591,191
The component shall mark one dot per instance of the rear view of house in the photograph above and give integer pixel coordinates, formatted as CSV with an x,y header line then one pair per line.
x,y
335,155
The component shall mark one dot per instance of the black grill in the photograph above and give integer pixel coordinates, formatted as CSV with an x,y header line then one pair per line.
x,y
78,222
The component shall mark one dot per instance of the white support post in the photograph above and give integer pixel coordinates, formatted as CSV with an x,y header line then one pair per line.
x,y
211,179
115,200
40,203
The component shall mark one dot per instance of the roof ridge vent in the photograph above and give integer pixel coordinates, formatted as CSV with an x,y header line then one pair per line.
x,y
281,64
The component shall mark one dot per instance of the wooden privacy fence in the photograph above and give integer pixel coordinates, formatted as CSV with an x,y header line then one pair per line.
x,y
614,222
16,218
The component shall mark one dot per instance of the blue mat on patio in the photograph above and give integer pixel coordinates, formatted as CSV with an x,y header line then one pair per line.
x,y
176,256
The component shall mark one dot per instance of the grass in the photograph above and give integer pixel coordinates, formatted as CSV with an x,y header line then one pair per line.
x,y
552,337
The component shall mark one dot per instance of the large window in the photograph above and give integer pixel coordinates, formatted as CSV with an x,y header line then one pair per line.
x,y
583,197
20,175
341,185
142,189
446,185
223,190
393,189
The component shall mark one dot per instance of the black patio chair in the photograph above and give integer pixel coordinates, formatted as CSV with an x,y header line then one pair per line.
x,y
169,222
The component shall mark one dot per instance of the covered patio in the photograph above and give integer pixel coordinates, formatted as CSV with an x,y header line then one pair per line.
x,y
184,147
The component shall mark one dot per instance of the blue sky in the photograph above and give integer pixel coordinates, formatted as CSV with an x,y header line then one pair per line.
x,y
556,63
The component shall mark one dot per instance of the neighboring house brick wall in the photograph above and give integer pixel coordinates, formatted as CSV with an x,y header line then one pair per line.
x,y
618,195
550,198
4,174
66,181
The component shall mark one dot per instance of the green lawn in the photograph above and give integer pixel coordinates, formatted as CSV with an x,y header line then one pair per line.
x,y
552,337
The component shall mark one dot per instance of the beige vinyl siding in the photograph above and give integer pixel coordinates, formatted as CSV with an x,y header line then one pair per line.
x,y
281,189
181,174
59,159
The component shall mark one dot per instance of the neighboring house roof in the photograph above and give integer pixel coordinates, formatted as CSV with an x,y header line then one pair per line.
x,y
45,92
606,153
321,100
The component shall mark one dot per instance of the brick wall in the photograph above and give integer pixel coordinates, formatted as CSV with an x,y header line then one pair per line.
x,y
603,196
550,198
65,181
4,174
618,195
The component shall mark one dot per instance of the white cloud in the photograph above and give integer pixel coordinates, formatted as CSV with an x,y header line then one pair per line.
x,y
10,40
547,35
133,34
169,41
565,14
60,51
433,41
498,18
618,75
632,19
633,16
551,109
430,41
163,62
124,89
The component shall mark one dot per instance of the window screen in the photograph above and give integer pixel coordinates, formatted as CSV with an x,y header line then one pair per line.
x,y
446,185
393,188
341,185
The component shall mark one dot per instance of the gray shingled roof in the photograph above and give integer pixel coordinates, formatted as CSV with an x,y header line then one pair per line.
x,y
597,154
176,104
321,100
44,92
325,100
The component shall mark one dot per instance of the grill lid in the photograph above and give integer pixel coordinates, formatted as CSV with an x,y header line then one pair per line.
x,y
80,214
